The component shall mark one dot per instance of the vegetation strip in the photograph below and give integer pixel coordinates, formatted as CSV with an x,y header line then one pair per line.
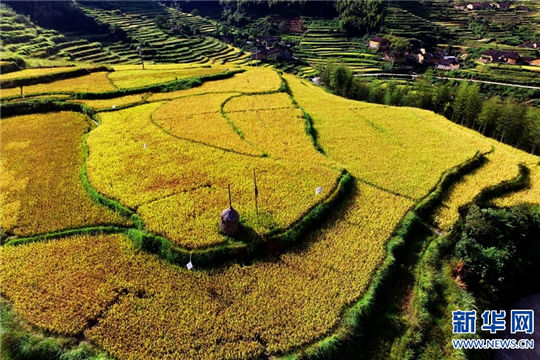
x,y
355,318
310,129
424,209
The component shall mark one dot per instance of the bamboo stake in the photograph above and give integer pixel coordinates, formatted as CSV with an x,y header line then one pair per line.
x,y
230,203
256,194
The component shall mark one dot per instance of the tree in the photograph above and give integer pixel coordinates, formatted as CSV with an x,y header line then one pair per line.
x,y
491,110
358,17
500,251
472,105
376,92
359,89
459,102
531,134
394,94
341,79
326,72
442,98
511,122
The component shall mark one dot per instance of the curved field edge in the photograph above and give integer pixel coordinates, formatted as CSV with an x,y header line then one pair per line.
x,y
359,314
252,245
308,121
427,290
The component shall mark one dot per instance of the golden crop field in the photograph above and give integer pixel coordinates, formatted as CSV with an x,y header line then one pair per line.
x,y
94,82
41,190
166,67
266,306
253,80
198,118
404,151
502,165
258,102
135,78
530,195
170,161
107,104
36,72
137,163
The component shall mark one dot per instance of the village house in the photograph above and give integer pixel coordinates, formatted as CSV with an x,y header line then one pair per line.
x,y
534,45
294,25
270,48
439,60
447,64
379,43
508,57
479,6
260,53
505,5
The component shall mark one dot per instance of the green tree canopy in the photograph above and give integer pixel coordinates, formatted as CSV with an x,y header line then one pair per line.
x,y
358,17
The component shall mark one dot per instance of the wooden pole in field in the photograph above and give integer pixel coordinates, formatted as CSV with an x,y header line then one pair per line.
x,y
22,94
230,202
139,49
256,194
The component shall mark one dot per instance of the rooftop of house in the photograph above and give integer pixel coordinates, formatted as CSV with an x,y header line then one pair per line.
x,y
379,39
497,54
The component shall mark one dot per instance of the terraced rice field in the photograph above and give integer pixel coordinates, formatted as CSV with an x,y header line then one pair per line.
x,y
124,77
94,82
501,165
23,37
323,42
169,159
137,20
35,72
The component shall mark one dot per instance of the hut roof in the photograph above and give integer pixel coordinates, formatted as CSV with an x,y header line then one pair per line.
x,y
229,215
